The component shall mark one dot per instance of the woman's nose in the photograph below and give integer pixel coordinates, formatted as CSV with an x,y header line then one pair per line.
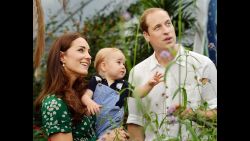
x,y
88,55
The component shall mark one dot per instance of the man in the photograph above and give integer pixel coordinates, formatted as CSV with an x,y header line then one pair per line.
x,y
187,70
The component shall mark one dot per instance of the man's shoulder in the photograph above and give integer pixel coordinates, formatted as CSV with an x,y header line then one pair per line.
x,y
143,63
200,57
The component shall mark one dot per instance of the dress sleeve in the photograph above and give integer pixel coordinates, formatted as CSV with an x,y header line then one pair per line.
x,y
55,116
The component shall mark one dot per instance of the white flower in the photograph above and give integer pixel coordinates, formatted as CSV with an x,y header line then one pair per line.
x,y
126,15
119,86
98,78
51,109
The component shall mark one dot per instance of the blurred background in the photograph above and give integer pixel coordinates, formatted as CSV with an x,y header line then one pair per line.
x,y
114,23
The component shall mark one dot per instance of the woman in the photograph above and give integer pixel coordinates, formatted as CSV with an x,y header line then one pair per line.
x,y
63,116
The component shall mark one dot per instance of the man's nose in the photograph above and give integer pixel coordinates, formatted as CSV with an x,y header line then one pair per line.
x,y
166,29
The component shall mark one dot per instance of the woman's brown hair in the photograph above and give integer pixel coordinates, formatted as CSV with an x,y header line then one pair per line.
x,y
57,82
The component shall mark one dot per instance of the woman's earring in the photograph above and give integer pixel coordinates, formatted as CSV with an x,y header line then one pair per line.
x,y
63,65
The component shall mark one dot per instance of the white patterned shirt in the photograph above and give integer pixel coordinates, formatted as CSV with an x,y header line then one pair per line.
x,y
191,70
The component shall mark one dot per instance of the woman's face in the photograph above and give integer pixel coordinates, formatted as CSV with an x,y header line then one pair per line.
x,y
77,59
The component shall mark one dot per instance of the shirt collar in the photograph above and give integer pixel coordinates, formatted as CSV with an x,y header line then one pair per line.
x,y
118,83
181,55
153,62
181,59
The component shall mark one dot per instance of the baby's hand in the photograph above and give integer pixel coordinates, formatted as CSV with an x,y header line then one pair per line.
x,y
93,107
157,78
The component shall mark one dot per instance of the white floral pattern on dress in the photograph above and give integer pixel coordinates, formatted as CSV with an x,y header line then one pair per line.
x,y
57,118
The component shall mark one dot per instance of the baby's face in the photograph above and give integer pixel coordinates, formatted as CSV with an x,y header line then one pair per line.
x,y
115,65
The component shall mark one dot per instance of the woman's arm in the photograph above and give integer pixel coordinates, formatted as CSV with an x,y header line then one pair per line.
x,y
61,137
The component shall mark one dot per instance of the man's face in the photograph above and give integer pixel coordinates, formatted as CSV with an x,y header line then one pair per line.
x,y
161,33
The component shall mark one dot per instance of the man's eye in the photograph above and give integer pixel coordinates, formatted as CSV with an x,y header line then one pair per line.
x,y
168,23
157,28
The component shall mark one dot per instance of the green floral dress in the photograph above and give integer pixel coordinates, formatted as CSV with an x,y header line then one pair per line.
x,y
57,118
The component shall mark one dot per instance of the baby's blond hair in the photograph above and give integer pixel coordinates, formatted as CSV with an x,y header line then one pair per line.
x,y
102,54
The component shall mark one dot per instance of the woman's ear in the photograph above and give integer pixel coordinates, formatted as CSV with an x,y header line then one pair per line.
x,y
62,54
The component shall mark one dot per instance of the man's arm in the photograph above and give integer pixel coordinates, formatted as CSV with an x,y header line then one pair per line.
x,y
209,114
189,113
136,132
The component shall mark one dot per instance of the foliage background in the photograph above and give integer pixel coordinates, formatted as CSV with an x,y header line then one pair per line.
x,y
118,29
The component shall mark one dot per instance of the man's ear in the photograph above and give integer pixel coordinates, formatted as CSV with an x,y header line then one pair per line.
x,y
146,36
62,54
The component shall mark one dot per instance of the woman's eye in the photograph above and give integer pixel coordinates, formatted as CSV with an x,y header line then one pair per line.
x,y
81,50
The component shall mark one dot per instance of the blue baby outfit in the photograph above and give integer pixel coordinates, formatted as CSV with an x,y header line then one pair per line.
x,y
111,114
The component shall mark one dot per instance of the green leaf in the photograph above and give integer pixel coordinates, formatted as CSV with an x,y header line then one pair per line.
x,y
162,121
156,120
175,93
191,130
184,94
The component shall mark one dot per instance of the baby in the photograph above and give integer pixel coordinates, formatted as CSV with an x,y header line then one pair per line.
x,y
107,90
